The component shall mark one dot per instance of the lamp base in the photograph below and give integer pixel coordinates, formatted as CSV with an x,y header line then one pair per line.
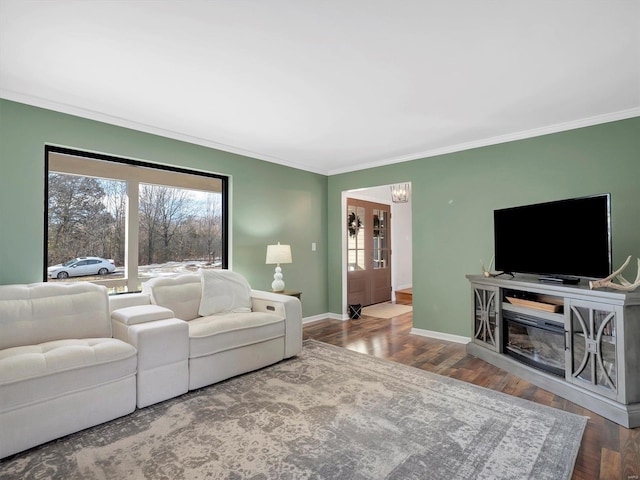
x,y
278,284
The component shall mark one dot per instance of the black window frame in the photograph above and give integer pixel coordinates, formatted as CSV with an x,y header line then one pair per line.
x,y
49,149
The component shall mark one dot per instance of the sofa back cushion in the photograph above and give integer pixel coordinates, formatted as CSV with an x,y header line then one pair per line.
x,y
180,294
43,312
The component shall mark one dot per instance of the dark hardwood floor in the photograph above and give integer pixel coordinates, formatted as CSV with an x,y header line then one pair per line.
x,y
608,451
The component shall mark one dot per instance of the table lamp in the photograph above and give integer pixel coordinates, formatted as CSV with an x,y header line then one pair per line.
x,y
277,254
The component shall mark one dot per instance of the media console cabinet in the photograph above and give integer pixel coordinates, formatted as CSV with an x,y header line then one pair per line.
x,y
580,344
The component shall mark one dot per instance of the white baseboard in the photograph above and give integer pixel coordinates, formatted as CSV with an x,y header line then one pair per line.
x,y
325,316
403,287
415,331
440,336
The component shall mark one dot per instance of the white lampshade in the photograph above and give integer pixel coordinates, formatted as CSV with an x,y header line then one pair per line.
x,y
279,254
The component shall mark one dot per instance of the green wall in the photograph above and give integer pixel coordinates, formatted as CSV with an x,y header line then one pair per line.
x,y
454,195
269,202
453,199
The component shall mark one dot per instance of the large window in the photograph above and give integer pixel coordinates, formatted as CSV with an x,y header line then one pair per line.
x,y
118,222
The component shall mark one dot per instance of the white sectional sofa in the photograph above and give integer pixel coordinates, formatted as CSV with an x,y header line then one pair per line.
x,y
72,357
60,369
233,331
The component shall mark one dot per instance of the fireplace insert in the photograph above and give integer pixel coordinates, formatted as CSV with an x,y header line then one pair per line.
x,y
535,341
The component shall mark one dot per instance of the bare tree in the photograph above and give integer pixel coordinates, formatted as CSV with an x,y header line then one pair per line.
x,y
212,225
77,216
163,211
115,201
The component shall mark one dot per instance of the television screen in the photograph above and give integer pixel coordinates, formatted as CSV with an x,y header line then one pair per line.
x,y
566,238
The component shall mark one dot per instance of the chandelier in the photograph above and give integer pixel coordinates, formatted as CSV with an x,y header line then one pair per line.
x,y
400,192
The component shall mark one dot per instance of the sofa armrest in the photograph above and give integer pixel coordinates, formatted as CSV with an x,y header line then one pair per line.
x,y
141,314
123,300
123,319
162,344
287,306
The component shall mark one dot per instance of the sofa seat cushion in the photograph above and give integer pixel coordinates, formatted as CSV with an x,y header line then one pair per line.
x,y
217,333
33,373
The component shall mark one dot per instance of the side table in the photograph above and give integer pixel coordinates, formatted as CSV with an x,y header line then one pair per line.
x,y
291,293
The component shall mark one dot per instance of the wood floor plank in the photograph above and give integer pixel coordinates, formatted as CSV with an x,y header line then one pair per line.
x,y
630,453
607,451
610,465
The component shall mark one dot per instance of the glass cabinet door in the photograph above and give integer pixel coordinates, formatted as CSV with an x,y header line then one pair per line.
x,y
592,356
485,316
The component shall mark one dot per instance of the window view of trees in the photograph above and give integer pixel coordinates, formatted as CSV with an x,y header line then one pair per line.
x,y
86,218
175,227
179,225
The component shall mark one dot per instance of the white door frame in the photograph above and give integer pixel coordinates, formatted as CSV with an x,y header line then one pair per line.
x,y
360,193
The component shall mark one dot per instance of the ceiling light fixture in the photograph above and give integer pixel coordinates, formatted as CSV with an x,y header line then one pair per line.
x,y
400,192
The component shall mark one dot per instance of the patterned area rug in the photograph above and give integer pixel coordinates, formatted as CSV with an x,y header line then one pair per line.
x,y
328,414
386,310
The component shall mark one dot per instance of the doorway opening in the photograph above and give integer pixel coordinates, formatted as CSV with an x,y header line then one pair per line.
x,y
376,247
368,252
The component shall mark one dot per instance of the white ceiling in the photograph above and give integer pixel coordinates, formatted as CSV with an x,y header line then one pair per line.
x,y
327,86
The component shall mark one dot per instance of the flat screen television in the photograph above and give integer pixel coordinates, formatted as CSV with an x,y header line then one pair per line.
x,y
563,240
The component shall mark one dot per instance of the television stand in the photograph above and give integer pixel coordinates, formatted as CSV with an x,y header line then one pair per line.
x,y
583,343
559,280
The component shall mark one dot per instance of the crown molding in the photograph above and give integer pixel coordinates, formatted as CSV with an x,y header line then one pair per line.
x,y
141,127
121,122
535,132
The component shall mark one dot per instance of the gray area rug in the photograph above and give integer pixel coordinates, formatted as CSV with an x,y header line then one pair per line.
x,y
327,414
